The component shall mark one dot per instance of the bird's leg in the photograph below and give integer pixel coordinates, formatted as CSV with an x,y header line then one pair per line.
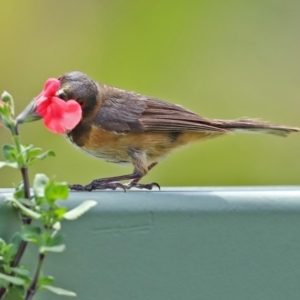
x,y
139,160
113,183
135,182
106,183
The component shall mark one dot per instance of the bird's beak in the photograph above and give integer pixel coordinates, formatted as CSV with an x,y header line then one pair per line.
x,y
29,114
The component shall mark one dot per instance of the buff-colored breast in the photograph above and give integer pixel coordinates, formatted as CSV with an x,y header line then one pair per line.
x,y
116,147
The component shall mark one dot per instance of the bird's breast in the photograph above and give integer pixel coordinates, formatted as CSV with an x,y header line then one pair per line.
x,y
117,148
98,149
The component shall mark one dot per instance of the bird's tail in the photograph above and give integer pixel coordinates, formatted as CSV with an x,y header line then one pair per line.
x,y
255,126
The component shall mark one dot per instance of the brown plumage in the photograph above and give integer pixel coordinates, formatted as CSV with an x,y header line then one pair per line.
x,y
125,127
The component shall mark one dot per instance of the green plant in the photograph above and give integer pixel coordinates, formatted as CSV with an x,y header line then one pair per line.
x,y
42,205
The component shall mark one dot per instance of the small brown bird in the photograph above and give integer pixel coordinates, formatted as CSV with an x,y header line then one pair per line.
x,y
125,127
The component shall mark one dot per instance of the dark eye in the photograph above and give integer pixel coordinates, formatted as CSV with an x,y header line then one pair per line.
x,y
81,102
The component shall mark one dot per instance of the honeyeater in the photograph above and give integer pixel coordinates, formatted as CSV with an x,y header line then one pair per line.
x,y
124,127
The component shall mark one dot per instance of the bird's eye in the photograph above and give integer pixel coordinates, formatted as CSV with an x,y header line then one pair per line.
x,y
80,102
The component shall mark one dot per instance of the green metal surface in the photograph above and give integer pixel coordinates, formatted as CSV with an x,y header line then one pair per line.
x,y
179,244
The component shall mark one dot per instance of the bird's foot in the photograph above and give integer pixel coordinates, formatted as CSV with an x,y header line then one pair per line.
x,y
76,187
97,185
113,185
148,186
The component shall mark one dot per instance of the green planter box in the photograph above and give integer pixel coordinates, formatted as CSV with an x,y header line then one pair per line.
x,y
179,244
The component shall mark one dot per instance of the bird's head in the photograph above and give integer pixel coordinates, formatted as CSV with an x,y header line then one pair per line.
x,y
79,87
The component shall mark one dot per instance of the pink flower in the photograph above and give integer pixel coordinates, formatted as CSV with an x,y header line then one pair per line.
x,y
58,115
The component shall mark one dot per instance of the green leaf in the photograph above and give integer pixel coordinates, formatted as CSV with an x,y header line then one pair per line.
x,y
19,191
30,229
21,157
21,271
33,152
79,210
15,241
59,291
36,154
60,211
56,249
9,152
39,183
56,190
55,240
9,164
32,214
13,294
45,280
25,150
26,202
4,283
31,233
12,279
2,244
46,154
51,238
8,252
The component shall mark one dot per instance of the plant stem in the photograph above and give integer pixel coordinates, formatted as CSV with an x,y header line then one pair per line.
x,y
19,149
25,219
2,292
24,171
32,289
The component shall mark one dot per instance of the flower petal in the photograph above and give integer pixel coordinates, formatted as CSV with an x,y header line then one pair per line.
x,y
42,107
53,125
72,114
59,115
50,89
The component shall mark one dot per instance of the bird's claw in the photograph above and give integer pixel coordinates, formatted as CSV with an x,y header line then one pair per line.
x,y
147,186
96,185
76,187
113,185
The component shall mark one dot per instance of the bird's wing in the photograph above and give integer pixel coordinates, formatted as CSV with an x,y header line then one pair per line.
x,y
124,112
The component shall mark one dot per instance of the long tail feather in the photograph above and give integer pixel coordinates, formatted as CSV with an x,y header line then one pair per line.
x,y
255,126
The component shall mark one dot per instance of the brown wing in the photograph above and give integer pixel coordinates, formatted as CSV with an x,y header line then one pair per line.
x,y
124,112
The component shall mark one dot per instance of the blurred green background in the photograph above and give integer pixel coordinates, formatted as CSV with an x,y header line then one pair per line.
x,y
222,59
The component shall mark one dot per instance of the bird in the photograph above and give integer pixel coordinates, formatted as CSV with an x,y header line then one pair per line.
x,y
124,127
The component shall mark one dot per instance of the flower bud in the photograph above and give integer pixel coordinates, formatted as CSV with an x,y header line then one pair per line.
x,y
8,100
29,113
5,117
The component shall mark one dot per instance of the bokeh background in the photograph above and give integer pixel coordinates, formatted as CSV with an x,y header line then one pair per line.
x,y
222,59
